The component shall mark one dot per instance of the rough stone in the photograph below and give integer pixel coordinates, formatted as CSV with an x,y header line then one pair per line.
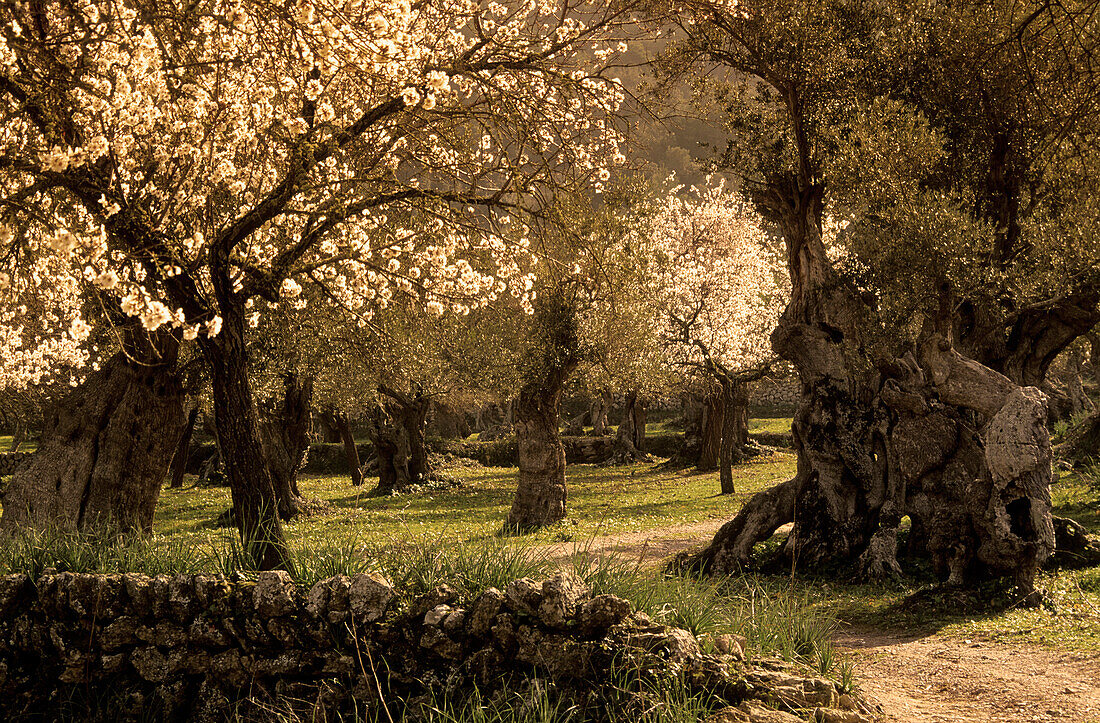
x,y
752,712
483,610
523,596
600,613
797,692
150,664
368,597
441,595
560,596
274,594
672,644
435,616
829,715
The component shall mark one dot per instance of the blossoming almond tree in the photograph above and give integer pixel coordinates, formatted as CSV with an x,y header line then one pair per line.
x,y
718,289
184,160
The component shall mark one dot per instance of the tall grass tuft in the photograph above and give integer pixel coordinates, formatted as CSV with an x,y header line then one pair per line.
x,y
97,551
418,565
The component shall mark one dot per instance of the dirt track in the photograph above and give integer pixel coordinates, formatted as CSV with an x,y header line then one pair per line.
x,y
946,680
923,680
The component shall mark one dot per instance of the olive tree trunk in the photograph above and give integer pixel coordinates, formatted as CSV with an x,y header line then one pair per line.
x,y
183,450
735,431
399,441
541,494
338,420
710,442
629,443
237,426
106,447
930,433
598,410
286,425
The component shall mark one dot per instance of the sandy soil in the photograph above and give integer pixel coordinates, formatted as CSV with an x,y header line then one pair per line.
x,y
939,679
922,680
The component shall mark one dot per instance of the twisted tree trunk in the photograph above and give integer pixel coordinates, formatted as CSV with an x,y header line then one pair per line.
x,y
735,430
237,426
541,495
399,443
285,429
106,447
710,448
957,446
338,420
629,443
598,410
183,450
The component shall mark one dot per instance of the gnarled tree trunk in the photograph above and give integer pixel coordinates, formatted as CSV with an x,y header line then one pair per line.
x,y
598,410
183,450
339,421
629,443
398,436
540,495
710,446
106,447
957,446
735,430
286,425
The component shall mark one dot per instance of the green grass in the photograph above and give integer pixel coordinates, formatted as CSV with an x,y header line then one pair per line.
x,y
602,500
28,445
771,425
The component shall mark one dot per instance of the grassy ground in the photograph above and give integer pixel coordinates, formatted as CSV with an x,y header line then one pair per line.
x,y
5,444
613,500
602,500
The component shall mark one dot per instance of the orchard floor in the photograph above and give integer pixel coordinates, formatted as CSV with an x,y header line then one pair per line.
x,y
932,676
936,663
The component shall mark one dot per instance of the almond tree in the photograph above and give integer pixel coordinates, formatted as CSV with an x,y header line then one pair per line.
x,y
184,160
718,290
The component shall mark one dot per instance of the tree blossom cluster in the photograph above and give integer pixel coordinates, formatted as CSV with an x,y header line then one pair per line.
x,y
166,158
718,282
42,330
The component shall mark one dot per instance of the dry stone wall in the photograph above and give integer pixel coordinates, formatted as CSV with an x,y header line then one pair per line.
x,y
203,648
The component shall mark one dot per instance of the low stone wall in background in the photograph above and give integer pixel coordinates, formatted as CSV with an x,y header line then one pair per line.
x,y
779,393
203,648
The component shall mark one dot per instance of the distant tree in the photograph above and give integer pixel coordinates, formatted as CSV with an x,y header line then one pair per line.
x,y
717,288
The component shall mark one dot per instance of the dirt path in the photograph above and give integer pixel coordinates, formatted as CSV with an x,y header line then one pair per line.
x,y
922,680
944,680
646,547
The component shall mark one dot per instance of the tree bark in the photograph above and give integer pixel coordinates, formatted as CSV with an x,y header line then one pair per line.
x,y
399,442
629,443
735,431
599,409
251,482
710,450
541,494
106,447
957,446
183,450
338,420
330,428
286,425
